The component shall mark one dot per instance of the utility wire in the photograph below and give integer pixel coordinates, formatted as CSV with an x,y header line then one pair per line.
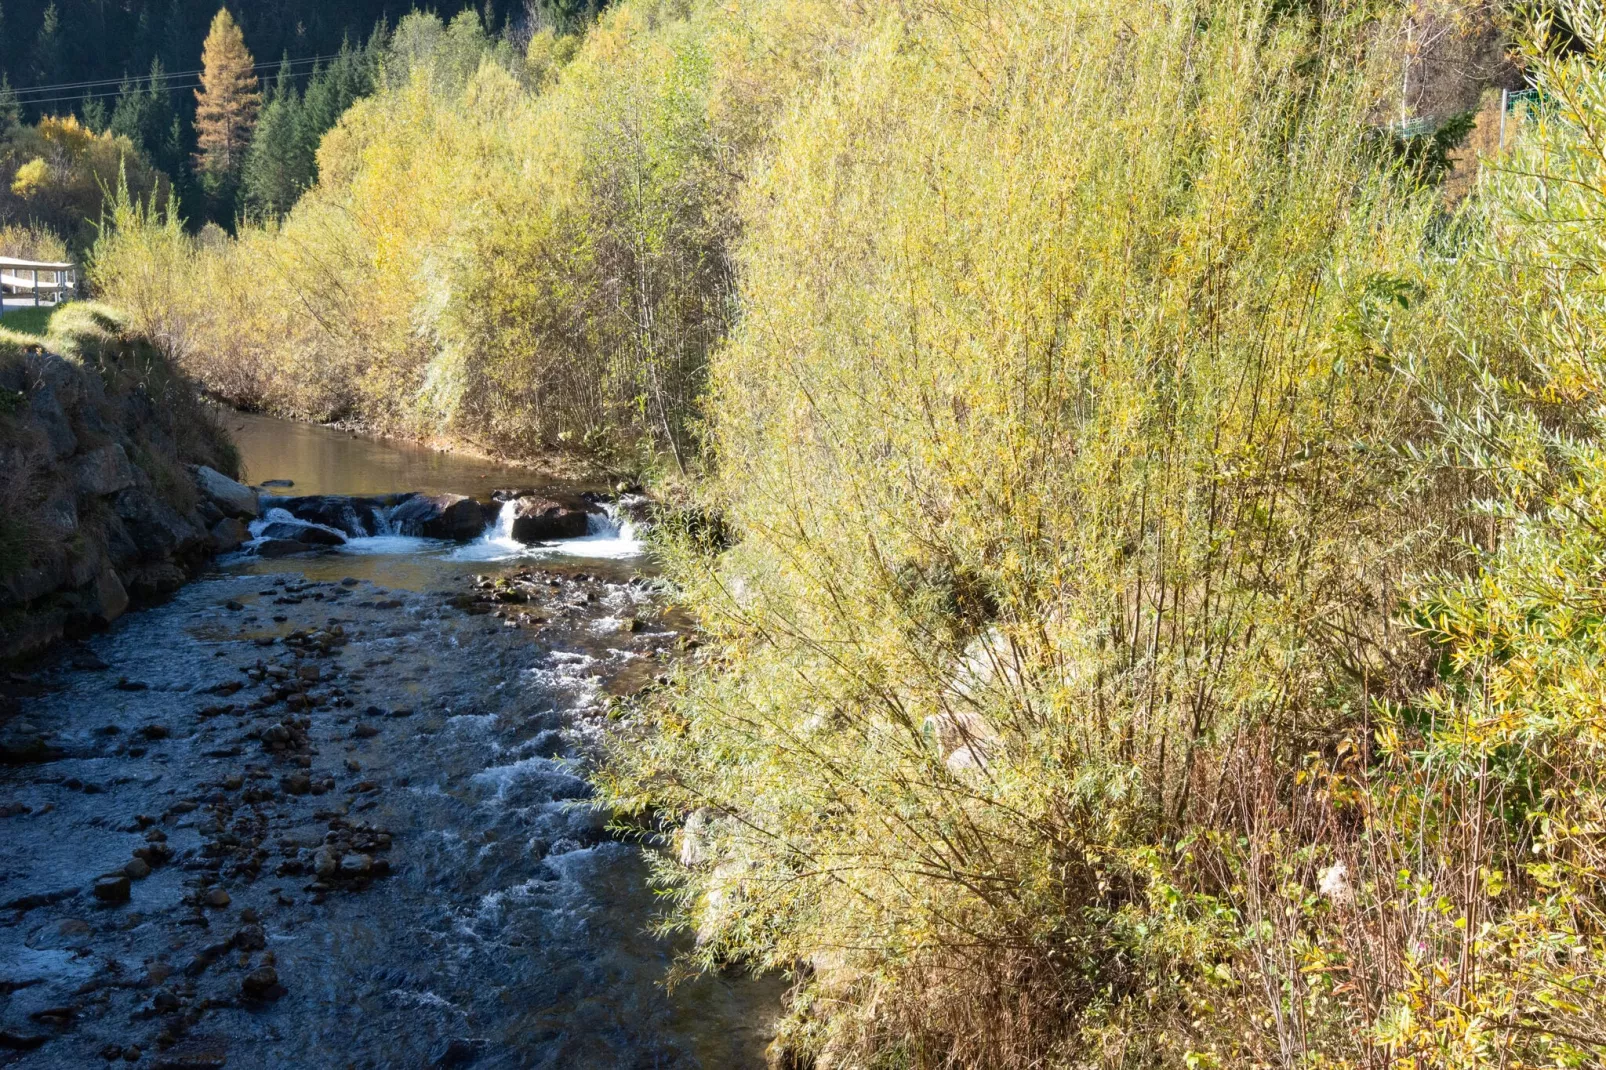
x,y
119,92
145,78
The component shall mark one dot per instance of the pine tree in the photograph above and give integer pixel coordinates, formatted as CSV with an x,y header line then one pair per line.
x,y
144,114
47,49
93,112
10,110
228,100
274,172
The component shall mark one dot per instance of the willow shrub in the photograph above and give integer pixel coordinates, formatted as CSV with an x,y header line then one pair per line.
x,y
1053,438
1471,914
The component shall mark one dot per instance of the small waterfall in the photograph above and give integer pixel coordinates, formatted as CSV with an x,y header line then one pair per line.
x,y
614,523
382,522
502,527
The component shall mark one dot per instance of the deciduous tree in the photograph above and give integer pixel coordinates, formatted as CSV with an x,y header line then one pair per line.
x,y
227,102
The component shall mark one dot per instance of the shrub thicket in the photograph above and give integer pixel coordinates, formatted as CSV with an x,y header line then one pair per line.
x,y
523,269
1157,605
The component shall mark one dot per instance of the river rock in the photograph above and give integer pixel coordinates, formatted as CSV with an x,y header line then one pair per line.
x,y
228,534
440,516
261,983
356,516
250,938
540,518
305,533
233,498
281,547
326,861
356,865
136,869
112,889
107,599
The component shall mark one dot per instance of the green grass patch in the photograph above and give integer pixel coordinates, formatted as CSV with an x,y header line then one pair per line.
x,y
34,321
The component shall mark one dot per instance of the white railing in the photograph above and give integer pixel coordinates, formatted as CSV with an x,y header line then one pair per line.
x,y
48,282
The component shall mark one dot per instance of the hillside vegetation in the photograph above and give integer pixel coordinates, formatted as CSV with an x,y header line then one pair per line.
x,y
1154,590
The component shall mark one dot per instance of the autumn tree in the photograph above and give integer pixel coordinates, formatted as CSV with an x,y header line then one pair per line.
x,y
227,102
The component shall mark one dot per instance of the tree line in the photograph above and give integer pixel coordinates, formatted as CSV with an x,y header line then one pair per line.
x,y
227,107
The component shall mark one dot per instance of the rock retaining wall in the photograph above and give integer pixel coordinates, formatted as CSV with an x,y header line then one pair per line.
x,y
110,489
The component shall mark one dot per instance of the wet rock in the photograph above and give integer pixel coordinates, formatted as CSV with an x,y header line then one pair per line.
x,y
89,661
22,744
218,898
539,519
352,866
195,1053
13,1040
125,684
296,784
281,547
261,983
106,599
304,533
309,673
457,1051
277,483
365,730
228,533
233,498
112,889
356,516
156,580
250,938
137,869
326,861
440,516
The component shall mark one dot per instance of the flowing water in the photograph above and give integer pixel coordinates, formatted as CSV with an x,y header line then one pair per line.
x,y
363,794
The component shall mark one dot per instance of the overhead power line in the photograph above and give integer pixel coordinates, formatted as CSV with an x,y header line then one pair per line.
x,y
145,79
73,98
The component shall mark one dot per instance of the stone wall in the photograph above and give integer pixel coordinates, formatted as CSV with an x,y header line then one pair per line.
x,y
110,492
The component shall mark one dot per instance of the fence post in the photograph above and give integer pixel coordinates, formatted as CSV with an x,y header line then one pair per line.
x,y
35,287
1505,102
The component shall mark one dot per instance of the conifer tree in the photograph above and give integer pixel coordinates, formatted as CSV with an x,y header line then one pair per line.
x,y
47,48
93,112
227,102
274,173
10,109
144,114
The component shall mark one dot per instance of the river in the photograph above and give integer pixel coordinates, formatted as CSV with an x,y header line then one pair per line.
x,y
359,790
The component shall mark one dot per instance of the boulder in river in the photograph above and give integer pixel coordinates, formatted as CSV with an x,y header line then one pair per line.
x,y
112,889
228,534
356,516
537,518
281,547
231,497
306,533
440,516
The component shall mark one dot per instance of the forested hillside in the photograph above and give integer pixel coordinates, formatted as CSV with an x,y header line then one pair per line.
x,y
1147,527
131,70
